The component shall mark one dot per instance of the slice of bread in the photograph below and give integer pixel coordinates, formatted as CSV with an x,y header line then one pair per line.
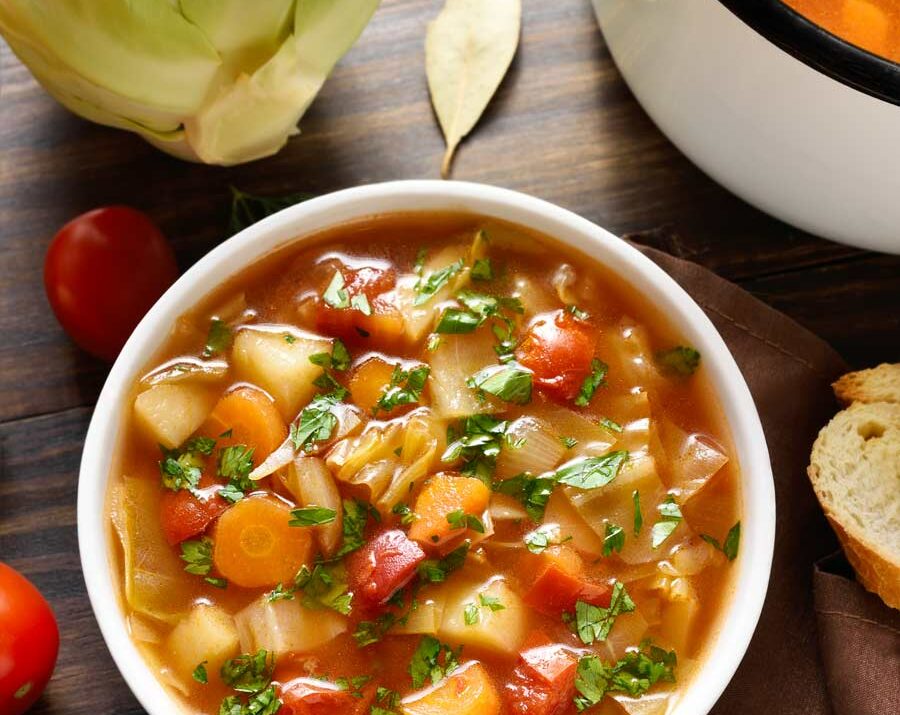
x,y
855,472
879,384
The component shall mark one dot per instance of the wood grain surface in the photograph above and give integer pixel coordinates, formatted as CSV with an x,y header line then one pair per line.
x,y
563,127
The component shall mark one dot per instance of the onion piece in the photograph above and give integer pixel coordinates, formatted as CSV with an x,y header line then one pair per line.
x,y
349,417
692,460
506,508
311,484
186,368
530,446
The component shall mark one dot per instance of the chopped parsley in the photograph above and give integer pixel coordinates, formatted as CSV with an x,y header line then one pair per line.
x,y
265,702
638,516
426,288
460,520
323,587
470,614
249,673
477,442
455,321
568,442
472,611
199,673
509,382
634,674
405,388
433,343
593,623
614,539
533,492
368,632
437,570
336,294
338,358
669,519
312,516
596,379
403,510
389,699
235,465
545,535
482,270
592,472
361,303
432,661
681,360
197,554
573,309
731,544
356,517
218,339
317,422
610,425
289,339
180,469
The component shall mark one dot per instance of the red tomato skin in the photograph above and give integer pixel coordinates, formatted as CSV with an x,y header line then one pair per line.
x,y
29,642
351,324
383,566
306,696
183,515
558,349
103,272
543,682
556,591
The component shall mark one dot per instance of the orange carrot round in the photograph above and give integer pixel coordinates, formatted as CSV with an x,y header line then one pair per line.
x,y
255,547
251,418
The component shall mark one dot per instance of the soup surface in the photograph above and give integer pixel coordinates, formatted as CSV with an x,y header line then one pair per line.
x,y
872,25
424,464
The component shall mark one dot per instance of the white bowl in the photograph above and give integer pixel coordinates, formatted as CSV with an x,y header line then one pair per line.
x,y
790,118
730,638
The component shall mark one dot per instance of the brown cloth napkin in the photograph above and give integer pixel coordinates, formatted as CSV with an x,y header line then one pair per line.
x,y
851,666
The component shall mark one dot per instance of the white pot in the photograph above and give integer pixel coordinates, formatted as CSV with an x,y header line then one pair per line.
x,y
96,541
748,107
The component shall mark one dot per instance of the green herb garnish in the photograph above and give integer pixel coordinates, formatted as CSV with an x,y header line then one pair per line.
x,y
533,492
426,288
336,294
638,516
593,623
436,571
405,388
217,339
199,673
509,382
614,539
680,360
433,661
596,379
460,520
312,516
317,422
592,472
732,542
669,519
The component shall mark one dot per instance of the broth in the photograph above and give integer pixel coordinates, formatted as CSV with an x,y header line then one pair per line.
x,y
873,25
582,479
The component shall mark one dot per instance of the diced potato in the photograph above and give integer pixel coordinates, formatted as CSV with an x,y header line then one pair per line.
x,y
679,617
456,359
652,703
500,631
281,367
156,584
311,484
426,617
169,414
468,691
286,626
207,634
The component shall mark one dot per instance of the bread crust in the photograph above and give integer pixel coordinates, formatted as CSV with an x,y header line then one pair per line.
x,y
877,384
874,572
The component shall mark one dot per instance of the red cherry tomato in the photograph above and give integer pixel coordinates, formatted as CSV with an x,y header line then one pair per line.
x,y
103,272
558,348
29,642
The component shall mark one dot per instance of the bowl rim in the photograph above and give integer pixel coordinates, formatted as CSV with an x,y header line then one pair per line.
x,y
733,632
819,48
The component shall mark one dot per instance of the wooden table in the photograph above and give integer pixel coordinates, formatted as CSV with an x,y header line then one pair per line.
x,y
563,127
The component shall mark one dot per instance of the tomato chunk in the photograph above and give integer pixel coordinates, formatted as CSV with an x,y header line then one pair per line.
x,y
383,566
557,589
375,317
558,349
308,696
543,682
183,515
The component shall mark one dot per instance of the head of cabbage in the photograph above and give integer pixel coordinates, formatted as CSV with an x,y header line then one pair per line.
x,y
217,81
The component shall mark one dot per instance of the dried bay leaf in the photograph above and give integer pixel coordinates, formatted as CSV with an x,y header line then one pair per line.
x,y
468,49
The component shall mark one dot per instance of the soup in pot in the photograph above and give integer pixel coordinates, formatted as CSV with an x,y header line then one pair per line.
x,y
424,464
873,25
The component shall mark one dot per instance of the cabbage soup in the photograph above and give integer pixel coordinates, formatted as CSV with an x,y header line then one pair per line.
x,y
424,464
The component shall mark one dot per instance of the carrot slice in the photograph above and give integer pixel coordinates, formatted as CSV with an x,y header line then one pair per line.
x,y
468,691
443,495
249,417
255,547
